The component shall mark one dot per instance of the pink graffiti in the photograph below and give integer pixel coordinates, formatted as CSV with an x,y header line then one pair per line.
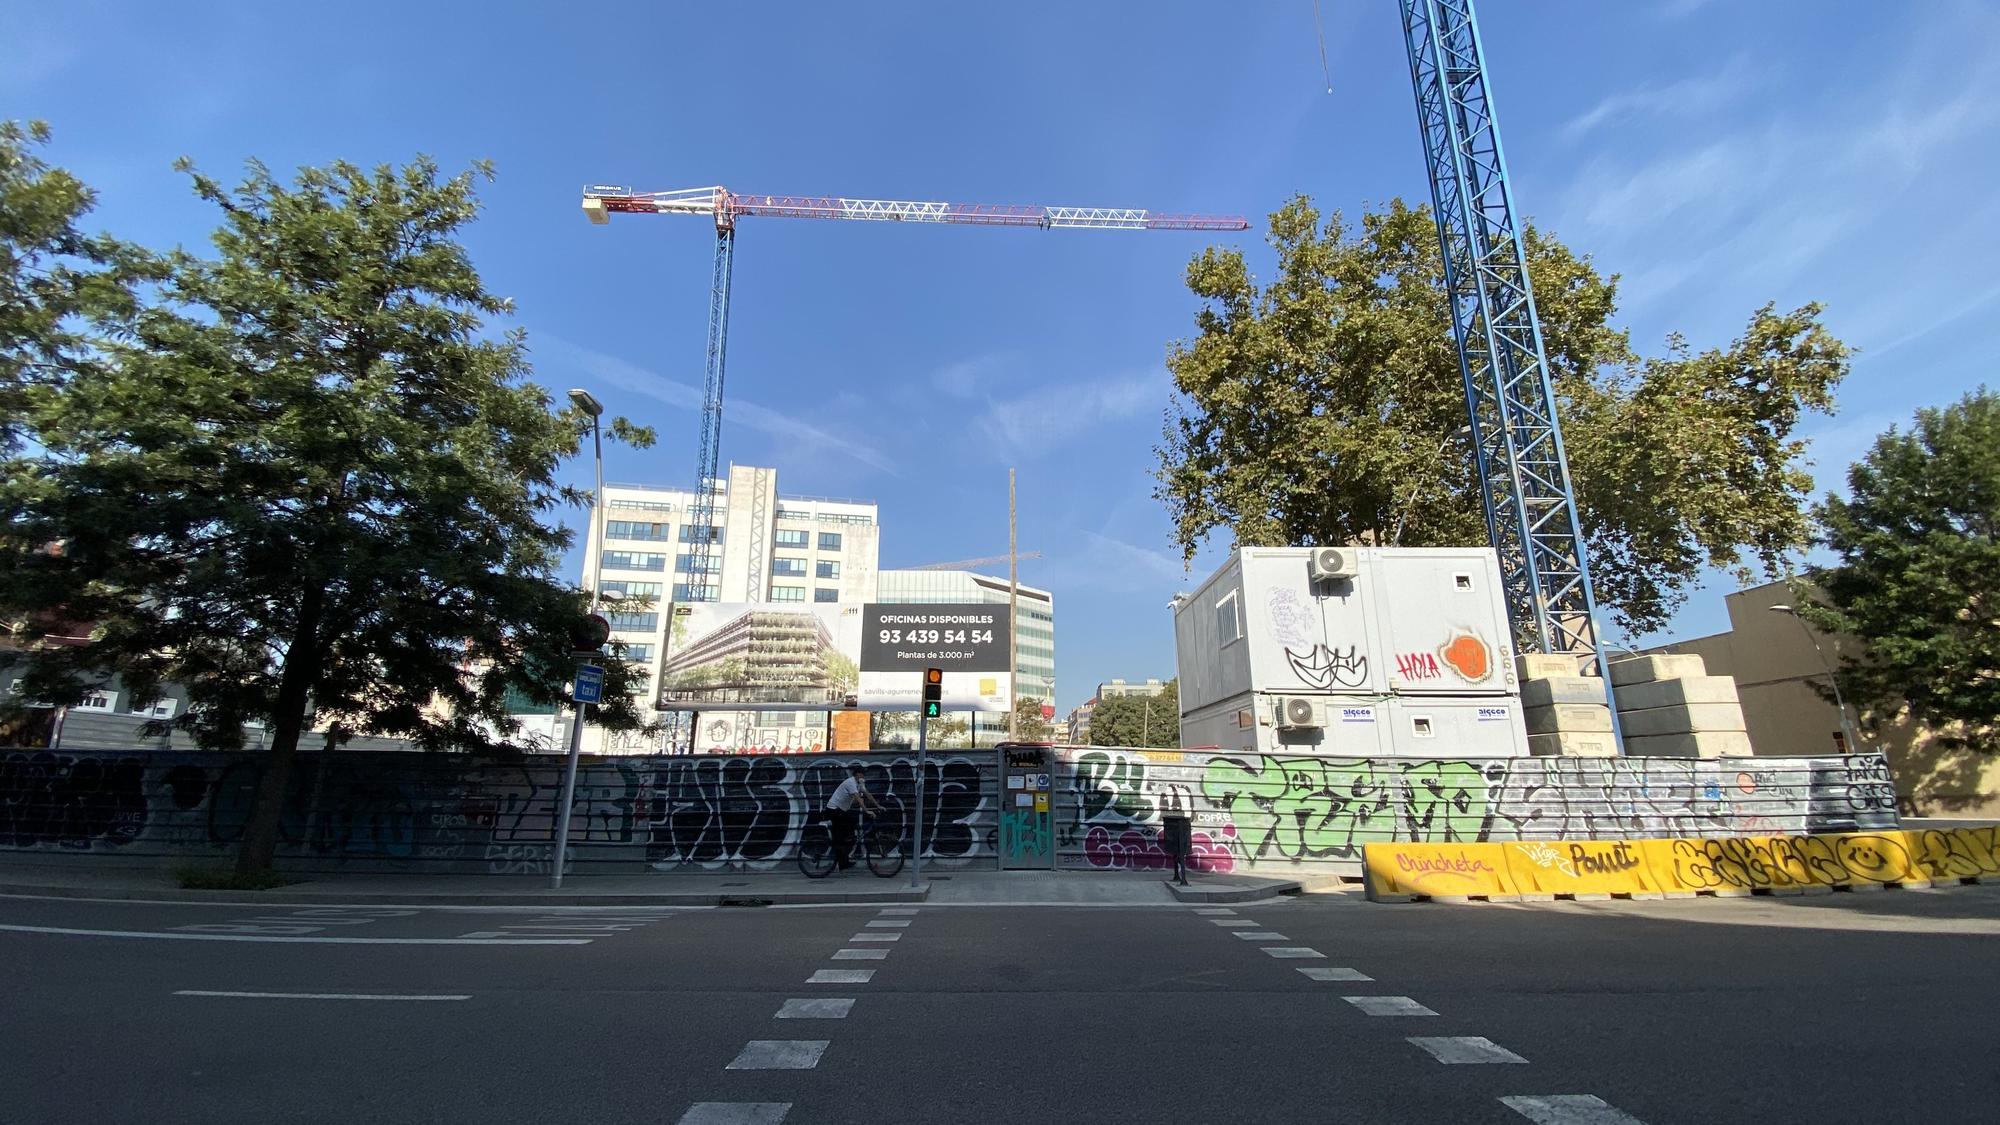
x,y
1138,849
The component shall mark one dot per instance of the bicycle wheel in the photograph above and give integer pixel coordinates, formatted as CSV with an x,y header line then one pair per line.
x,y
816,852
885,853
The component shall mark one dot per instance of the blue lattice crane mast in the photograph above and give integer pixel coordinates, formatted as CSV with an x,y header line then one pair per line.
x,y
1524,480
725,207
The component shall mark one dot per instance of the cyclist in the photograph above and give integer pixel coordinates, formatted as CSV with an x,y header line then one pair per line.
x,y
840,809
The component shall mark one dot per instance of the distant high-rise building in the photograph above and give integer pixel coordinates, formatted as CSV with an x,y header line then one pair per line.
x,y
772,548
1035,632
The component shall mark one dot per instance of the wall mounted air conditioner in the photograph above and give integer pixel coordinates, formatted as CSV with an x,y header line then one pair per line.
x,y
1296,712
1330,562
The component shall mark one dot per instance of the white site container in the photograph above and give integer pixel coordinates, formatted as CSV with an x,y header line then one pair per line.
x,y
1433,726
1411,622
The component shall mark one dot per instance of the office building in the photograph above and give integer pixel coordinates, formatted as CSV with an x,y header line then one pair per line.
x,y
1034,633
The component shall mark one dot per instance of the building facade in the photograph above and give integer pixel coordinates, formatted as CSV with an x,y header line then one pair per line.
x,y
1034,632
1117,689
771,548
1780,677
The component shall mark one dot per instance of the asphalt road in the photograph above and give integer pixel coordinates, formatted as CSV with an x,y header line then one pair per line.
x,y
1861,1008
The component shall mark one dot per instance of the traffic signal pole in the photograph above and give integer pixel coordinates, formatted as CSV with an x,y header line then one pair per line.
x,y
917,829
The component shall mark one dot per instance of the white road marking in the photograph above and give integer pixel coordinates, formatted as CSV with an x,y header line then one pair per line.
x,y
1317,972
1568,1109
898,910
1213,910
779,1054
861,955
1465,1049
1291,951
828,1009
841,976
310,995
1261,935
736,1113
876,937
1389,1005
288,939
880,925
1232,922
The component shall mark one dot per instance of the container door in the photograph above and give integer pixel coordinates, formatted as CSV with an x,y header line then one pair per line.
x,y
1027,822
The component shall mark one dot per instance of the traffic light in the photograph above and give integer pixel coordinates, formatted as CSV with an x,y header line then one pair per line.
x,y
933,693
589,632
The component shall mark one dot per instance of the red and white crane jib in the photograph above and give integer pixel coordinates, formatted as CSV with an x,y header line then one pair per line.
x,y
723,205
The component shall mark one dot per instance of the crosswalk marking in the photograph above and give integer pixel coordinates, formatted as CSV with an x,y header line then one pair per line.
x,y
841,976
1261,935
779,1054
1465,1049
861,955
1316,972
818,1009
1568,1109
736,1113
1389,1005
1292,951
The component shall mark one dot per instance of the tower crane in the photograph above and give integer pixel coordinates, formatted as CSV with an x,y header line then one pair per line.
x,y
984,560
724,207
1524,482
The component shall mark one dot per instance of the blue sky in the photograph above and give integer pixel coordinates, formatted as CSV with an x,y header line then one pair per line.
x,y
1717,155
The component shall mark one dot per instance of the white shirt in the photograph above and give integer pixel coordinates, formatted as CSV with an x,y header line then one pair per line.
x,y
846,796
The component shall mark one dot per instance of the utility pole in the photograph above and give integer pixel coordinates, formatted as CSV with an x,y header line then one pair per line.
x,y
1013,612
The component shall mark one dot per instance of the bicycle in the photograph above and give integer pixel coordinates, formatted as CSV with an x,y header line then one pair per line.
x,y
875,842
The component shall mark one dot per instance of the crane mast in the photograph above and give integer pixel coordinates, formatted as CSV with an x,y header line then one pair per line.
x,y
724,207
1524,482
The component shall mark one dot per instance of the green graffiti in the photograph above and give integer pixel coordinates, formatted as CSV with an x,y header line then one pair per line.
x,y
1026,833
1317,808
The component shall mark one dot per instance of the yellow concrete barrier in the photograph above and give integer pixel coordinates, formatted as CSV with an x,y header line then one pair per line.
x,y
1434,870
1740,865
1579,867
1948,855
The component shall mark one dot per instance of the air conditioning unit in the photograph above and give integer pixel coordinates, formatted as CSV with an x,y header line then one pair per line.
x,y
1331,562
1296,712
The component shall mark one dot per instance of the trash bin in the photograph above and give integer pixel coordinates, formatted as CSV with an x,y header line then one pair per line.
x,y
1177,836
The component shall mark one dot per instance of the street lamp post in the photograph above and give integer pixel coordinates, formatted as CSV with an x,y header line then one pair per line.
x,y
1846,731
587,403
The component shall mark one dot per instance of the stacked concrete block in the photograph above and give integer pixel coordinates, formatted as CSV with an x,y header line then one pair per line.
x,y
1566,714
1669,707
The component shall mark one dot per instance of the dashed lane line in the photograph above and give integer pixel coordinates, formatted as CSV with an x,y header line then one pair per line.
x,y
1389,1005
736,1113
816,1009
1295,952
1458,1049
896,910
1232,922
890,925
289,939
876,936
1319,972
861,955
841,976
1261,935
1568,1109
779,1054
309,995
1213,910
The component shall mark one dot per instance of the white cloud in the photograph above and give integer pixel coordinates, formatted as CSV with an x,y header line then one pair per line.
x,y
1691,95
1100,562
631,377
1062,411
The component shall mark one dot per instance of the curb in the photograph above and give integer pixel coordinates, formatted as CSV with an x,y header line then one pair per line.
x,y
1195,892
302,895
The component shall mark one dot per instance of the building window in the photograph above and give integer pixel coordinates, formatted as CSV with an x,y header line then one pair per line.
x,y
683,592
632,529
633,560
642,505
623,589
161,709
788,593
684,564
638,654
822,594
1228,624
826,568
792,536
688,535
829,540
634,622
790,568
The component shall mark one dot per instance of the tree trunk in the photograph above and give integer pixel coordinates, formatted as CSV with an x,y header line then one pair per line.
x,y
288,720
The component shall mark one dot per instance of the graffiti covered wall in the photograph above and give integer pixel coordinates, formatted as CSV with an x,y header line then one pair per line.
x,y
1272,813
718,814
412,812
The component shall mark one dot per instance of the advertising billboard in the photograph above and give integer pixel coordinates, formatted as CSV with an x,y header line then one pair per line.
x,y
735,656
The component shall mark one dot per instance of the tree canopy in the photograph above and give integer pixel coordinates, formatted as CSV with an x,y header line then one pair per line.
x,y
1919,573
305,484
1327,407
1029,726
1138,720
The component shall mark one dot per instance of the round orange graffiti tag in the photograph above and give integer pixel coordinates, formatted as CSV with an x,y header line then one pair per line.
x,y
1468,656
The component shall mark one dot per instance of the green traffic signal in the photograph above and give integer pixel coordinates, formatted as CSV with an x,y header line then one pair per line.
x,y
933,709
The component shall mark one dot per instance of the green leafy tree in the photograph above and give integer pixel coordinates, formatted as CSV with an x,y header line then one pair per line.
x,y
1138,720
1029,726
1919,576
1327,407
309,487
